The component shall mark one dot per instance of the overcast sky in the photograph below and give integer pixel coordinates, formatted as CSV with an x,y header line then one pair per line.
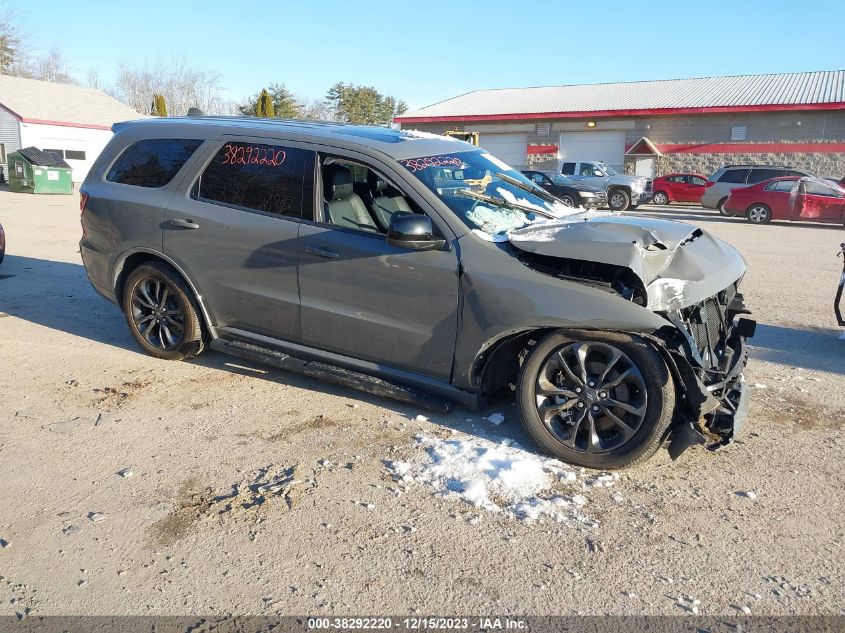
x,y
423,52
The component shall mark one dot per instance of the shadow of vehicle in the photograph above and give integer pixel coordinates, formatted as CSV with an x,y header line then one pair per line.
x,y
809,348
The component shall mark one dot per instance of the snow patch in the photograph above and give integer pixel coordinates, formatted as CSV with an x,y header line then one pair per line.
x,y
500,477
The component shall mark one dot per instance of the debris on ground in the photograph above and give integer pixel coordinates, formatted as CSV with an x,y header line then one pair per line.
x,y
96,517
126,472
4,544
748,494
495,418
65,426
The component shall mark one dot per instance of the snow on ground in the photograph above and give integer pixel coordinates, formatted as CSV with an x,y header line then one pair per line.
x,y
501,477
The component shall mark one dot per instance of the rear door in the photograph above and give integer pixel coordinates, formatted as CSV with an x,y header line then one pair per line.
x,y
233,229
366,299
695,188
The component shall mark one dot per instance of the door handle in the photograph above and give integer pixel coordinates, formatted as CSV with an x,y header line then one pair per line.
x,y
184,224
321,252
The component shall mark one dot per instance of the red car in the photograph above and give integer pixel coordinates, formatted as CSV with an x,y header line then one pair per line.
x,y
788,198
678,188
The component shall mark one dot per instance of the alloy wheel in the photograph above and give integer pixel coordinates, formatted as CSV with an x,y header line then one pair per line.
x,y
157,315
660,198
617,201
591,396
758,214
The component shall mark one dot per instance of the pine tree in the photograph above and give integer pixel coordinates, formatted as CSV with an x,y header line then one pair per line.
x,y
161,106
264,105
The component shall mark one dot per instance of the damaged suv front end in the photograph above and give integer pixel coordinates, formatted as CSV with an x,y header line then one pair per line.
x,y
686,276
631,329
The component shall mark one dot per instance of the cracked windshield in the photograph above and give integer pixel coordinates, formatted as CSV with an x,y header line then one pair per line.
x,y
487,194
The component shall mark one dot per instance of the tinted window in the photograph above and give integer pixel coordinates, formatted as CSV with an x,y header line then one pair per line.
x,y
818,189
151,163
568,169
759,175
734,175
72,154
695,180
261,177
675,179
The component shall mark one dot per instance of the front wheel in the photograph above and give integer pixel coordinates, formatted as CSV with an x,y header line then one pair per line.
x,y
618,200
162,313
598,400
660,198
567,200
758,214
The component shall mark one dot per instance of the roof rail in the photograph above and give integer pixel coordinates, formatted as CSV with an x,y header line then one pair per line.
x,y
757,165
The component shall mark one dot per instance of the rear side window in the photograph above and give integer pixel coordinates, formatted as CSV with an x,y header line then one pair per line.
x,y
759,175
734,175
568,169
818,189
152,163
264,178
695,180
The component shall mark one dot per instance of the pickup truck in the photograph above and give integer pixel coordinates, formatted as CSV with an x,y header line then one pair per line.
x,y
623,191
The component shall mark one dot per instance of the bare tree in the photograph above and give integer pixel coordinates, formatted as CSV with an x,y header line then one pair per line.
x,y
12,41
182,85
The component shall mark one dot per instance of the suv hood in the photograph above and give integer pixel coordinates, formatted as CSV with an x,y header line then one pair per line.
x,y
678,264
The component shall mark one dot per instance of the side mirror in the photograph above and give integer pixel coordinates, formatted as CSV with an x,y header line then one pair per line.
x,y
599,173
413,231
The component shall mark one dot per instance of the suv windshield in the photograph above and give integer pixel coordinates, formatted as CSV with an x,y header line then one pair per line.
x,y
484,192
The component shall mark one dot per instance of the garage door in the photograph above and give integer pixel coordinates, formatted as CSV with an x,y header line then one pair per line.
x,y
510,148
608,147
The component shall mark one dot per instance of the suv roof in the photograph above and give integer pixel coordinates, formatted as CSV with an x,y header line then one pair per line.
x,y
761,166
398,144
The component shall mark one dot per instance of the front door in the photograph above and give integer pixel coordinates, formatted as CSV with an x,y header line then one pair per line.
x,y
815,201
234,232
366,299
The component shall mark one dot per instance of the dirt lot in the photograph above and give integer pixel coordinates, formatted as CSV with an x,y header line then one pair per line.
x,y
253,491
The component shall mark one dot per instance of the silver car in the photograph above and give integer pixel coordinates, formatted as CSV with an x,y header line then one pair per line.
x,y
422,268
729,177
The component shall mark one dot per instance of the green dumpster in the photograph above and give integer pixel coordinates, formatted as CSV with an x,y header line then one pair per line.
x,y
34,171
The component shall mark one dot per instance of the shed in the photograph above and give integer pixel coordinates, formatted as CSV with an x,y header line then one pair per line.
x,y
34,171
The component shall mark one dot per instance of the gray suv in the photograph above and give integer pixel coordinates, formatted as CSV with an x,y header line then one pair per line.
x,y
729,177
420,268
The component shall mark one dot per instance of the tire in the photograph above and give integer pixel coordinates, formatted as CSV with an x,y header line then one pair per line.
x,y
721,206
758,214
568,200
618,199
145,300
646,386
660,198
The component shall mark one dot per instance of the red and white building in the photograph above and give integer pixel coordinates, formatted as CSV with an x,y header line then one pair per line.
x,y
73,121
656,127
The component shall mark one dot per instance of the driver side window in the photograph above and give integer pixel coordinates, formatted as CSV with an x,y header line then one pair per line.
x,y
357,197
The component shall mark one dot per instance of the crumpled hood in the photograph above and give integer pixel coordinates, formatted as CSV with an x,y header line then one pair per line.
x,y
679,264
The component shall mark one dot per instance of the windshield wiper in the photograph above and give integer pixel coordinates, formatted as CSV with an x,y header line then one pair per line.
x,y
501,202
530,188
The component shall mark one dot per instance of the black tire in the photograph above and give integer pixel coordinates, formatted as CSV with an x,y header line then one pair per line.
x,y
618,199
653,395
568,200
758,214
721,206
660,197
177,313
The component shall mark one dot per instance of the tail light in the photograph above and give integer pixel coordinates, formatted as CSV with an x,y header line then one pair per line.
x,y
709,183
83,200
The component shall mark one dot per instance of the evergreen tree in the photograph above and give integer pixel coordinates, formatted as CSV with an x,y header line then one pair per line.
x,y
264,105
159,108
363,105
285,104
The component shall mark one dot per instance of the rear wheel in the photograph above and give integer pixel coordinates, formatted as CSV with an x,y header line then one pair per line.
x,y
660,198
758,214
721,206
598,400
162,313
618,199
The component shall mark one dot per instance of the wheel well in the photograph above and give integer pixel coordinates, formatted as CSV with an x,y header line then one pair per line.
x,y
757,204
136,259
499,365
661,191
624,188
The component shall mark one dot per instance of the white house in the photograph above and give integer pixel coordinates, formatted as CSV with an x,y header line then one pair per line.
x,y
72,121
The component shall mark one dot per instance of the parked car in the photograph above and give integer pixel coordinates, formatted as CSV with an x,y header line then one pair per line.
x,y
789,198
571,193
678,188
420,268
2,244
729,177
623,191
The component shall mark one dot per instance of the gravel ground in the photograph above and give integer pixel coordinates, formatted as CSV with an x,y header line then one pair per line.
x,y
254,491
